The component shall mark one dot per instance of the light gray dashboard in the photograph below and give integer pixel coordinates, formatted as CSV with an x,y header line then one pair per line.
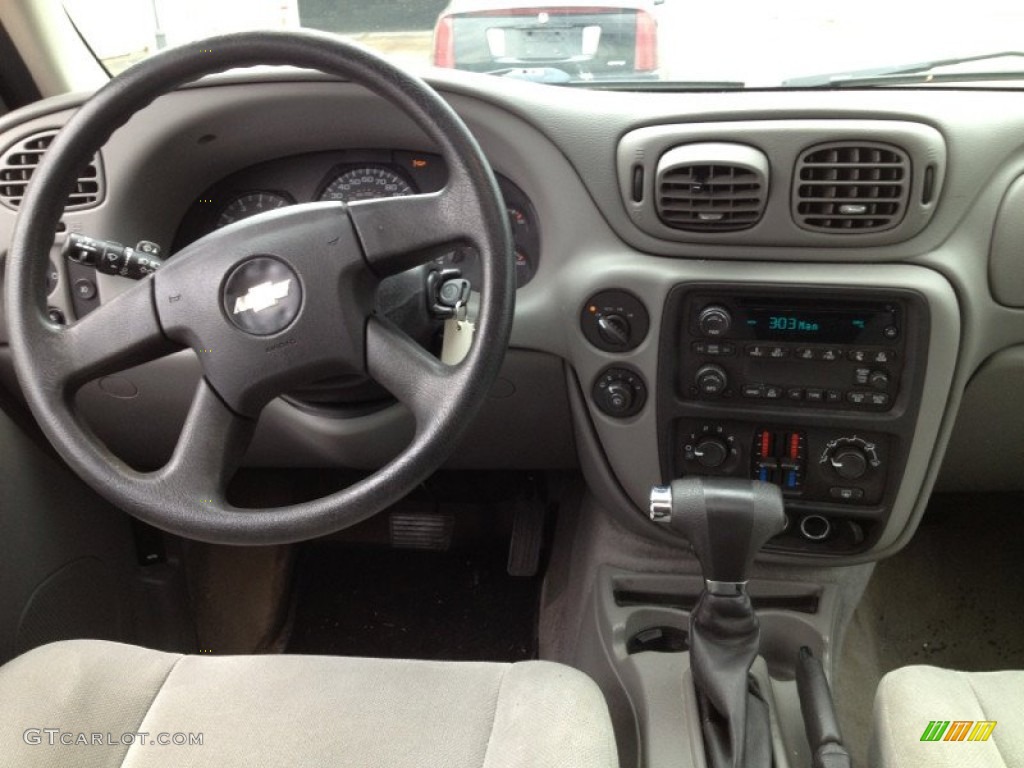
x,y
571,152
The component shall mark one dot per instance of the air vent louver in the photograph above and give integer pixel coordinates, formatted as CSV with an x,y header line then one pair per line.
x,y
712,187
19,162
849,187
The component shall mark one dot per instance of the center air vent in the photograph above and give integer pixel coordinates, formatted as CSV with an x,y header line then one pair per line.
x,y
19,162
851,187
712,187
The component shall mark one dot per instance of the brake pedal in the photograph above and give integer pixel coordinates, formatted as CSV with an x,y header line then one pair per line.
x,y
410,530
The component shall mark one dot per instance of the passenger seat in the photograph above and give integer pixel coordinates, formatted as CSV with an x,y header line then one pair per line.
x,y
940,718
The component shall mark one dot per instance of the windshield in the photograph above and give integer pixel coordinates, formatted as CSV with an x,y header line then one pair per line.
x,y
626,43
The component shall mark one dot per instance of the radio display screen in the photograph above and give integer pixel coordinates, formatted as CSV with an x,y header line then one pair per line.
x,y
839,325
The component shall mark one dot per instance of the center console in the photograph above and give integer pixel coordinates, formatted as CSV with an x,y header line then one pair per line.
x,y
813,389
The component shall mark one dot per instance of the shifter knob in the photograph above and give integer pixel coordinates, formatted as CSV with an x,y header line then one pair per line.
x,y
726,520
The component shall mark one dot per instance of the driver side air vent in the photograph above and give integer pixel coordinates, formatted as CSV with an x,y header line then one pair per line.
x,y
851,187
711,187
19,162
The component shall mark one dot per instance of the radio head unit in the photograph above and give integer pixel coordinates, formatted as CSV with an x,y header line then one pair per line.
x,y
838,352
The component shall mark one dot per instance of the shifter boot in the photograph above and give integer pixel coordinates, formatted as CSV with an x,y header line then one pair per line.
x,y
734,718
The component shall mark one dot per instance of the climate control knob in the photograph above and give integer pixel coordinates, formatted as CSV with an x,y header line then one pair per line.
x,y
714,321
711,452
850,463
711,379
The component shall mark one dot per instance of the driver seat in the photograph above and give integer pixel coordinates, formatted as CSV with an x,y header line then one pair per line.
x,y
78,702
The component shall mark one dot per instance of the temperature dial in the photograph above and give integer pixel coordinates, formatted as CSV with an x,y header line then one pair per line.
x,y
851,457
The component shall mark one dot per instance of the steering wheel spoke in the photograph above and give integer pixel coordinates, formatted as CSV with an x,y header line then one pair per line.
x,y
410,373
399,233
118,334
209,450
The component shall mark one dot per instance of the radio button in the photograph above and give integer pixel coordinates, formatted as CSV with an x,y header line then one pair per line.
x,y
753,390
859,355
805,353
857,398
795,393
833,396
777,353
880,399
815,395
757,351
879,380
831,355
772,392
883,356
891,332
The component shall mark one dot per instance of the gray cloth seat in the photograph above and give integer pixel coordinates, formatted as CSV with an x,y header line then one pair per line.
x,y
295,711
910,699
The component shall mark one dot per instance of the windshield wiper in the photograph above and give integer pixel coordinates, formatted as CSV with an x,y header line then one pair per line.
x,y
914,72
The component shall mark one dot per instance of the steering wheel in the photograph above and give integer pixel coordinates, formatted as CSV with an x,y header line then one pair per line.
x,y
273,302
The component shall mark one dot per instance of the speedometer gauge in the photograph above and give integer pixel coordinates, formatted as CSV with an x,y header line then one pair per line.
x,y
249,204
366,184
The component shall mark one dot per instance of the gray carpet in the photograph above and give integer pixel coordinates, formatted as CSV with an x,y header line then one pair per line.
x,y
953,598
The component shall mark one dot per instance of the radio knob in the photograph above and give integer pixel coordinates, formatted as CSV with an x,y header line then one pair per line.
x,y
711,452
850,463
711,379
714,321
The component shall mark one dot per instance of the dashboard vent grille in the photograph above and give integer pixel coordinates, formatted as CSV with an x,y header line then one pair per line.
x,y
712,187
851,187
19,162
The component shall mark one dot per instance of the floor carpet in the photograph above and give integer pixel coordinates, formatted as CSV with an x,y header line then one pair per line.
x,y
953,598
374,601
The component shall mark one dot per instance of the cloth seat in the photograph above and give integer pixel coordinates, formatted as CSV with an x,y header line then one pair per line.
x,y
917,702
294,711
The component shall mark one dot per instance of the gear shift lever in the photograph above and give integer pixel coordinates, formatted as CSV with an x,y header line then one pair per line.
x,y
726,521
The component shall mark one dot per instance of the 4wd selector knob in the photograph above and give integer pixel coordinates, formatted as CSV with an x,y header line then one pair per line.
x,y
714,321
711,379
850,463
711,452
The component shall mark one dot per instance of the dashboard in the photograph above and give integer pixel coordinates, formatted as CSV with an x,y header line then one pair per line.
x,y
802,287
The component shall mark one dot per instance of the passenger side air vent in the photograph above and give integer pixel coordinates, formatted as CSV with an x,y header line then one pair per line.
x,y
19,162
711,187
851,187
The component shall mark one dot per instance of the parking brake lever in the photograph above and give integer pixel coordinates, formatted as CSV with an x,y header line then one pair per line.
x,y
819,713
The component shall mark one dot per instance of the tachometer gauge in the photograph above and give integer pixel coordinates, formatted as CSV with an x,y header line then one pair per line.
x,y
251,203
366,184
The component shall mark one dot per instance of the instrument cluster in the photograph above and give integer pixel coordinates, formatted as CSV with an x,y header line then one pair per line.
x,y
349,176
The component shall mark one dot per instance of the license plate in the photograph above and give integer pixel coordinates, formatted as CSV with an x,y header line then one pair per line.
x,y
527,43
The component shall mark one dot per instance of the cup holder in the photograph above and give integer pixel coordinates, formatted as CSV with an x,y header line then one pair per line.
x,y
660,640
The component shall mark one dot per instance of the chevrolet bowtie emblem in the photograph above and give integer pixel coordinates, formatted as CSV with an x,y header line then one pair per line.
x,y
262,296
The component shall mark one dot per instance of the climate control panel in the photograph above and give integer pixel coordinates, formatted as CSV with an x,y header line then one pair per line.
x,y
817,464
